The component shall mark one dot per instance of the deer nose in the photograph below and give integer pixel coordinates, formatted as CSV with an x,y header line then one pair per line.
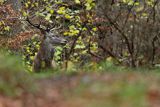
x,y
65,41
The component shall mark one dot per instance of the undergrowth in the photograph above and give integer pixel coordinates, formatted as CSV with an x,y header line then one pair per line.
x,y
14,80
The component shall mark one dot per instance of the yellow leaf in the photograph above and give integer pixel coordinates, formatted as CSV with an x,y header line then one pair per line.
x,y
61,10
26,5
109,59
65,33
94,29
7,28
25,14
67,16
77,1
32,57
51,11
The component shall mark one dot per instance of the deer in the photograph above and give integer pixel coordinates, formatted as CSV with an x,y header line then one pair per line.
x,y
45,54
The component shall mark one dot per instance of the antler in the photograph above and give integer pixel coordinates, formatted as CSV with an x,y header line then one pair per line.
x,y
54,27
47,29
38,26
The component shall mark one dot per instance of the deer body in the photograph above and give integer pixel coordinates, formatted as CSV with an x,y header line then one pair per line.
x,y
44,57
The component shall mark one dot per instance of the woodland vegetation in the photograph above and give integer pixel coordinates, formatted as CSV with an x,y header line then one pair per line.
x,y
126,32
79,44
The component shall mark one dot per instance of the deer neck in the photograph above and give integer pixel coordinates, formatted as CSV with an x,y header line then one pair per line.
x,y
47,50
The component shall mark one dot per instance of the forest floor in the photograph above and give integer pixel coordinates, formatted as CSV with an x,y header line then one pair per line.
x,y
132,89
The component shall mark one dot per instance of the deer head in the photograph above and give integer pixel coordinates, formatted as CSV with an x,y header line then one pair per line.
x,y
54,39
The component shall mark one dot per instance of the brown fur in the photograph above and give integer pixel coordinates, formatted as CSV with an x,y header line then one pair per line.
x,y
44,57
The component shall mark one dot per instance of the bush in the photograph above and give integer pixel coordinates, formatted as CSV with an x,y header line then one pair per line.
x,y
13,78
